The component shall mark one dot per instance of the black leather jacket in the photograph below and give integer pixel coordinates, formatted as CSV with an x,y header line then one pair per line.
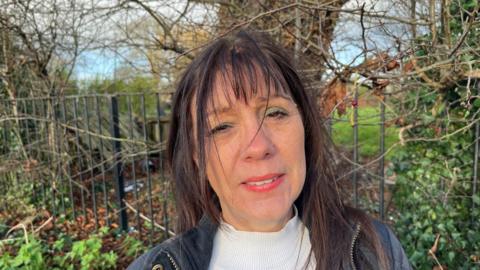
x,y
192,251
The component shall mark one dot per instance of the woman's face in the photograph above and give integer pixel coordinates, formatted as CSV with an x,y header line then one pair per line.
x,y
255,157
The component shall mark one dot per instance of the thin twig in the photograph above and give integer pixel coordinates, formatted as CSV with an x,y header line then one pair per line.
x,y
21,225
471,19
44,224
129,206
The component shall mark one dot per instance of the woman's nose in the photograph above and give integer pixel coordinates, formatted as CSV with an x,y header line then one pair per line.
x,y
258,143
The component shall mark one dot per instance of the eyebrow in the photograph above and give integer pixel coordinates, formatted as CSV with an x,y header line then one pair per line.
x,y
276,95
219,110
225,109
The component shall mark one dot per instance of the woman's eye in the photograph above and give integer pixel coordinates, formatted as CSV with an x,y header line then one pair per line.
x,y
219,129
276,112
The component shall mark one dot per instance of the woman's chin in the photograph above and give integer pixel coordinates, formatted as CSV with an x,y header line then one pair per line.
x,y
263,219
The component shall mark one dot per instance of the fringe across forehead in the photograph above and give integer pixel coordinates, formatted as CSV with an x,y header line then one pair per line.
x,y
244,69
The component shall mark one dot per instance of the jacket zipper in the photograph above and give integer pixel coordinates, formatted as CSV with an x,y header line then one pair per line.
x,y
352,247
172,261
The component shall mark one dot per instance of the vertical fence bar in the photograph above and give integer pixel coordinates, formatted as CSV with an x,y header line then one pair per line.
x,y
5,148
26,125
69,165
39,144
48,156
134,174
381,162
20,124
117,168
79,156
355,147
162,172
149,179
28,148
37,154
4,131
58,159
102,161
90,158
6,143
475,159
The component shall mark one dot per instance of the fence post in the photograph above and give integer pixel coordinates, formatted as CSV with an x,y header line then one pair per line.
x,y
355,147
5,146
67,150
90,152
102,160
117,168
6,139
475,159
162,171
79,155
149,178
381,162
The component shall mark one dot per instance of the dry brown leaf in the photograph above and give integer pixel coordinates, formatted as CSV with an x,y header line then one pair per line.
x,y
89,227
29,165
380,61
375,62
409,66
434,248
378,86
392,64
80,219
334,97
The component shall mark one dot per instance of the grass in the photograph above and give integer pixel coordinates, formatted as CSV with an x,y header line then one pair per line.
x,y
368,132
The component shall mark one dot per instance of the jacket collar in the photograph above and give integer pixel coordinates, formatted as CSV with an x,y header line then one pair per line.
x,y
195,246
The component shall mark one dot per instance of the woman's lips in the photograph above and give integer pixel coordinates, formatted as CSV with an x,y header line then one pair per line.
x,y
263,183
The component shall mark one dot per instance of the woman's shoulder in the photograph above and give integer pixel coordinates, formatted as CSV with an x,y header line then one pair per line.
x,y
157,258
189,250
392,246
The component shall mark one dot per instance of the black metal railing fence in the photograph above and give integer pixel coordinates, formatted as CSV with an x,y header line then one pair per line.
x,y
92,158
98,159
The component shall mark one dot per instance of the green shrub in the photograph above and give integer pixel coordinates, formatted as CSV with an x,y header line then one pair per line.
x,y
30,256
132,247
64,253
434,192
85,253
433,197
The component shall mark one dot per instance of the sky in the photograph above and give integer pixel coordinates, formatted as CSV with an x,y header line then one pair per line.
x,y
347,44
101,63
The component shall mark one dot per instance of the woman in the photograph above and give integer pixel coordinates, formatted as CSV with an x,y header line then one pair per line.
x,y
254,178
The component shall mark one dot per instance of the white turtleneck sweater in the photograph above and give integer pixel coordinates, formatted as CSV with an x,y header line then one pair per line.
x,y
287,249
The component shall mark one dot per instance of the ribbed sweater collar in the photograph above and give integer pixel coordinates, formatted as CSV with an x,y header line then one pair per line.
x,y
286,249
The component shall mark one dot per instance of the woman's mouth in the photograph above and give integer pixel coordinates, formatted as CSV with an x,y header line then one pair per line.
x,y
259,183
263,183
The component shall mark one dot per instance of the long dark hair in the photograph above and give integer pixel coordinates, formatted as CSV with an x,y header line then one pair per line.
x,y
319,205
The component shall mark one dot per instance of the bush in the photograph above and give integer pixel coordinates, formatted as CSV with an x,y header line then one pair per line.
x,y
64,253
30,256
434,192
438,218
433,199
